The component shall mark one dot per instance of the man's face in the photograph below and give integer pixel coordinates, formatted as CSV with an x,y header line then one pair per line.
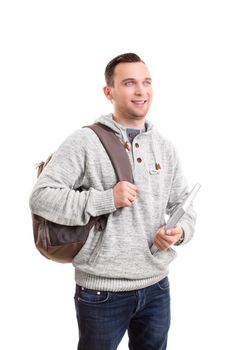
x,y
132,92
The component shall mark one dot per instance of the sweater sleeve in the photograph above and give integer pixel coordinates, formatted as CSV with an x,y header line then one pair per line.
x,y
56,195
178,193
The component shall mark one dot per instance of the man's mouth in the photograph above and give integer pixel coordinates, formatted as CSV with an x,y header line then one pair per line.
x,y
139,102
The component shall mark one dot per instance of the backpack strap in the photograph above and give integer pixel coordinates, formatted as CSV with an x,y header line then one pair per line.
x,y
115,151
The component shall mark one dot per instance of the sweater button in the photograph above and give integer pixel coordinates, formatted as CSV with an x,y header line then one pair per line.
x,y
139,160
137,145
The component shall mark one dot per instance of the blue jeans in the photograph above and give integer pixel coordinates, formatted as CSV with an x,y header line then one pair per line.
x,y
104,317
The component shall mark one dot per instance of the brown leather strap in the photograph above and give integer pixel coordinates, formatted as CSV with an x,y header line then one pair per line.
x,y
115,151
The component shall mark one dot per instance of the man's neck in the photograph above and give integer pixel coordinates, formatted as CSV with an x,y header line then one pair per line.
x,y
133,124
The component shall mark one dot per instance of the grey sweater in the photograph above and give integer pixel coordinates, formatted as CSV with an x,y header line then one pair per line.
x,y
116,255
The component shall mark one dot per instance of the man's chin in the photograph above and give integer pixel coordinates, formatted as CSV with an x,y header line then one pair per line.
x,y
139,116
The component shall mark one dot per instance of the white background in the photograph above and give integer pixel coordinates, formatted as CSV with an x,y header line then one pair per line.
x,y
53,55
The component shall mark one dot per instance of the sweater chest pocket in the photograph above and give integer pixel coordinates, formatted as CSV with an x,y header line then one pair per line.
x,y
150,179
156,182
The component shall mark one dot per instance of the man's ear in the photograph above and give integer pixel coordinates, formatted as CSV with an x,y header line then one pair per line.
x,y
108,92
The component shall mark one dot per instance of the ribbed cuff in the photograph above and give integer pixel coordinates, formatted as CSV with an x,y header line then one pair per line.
x,y
186,231
102,202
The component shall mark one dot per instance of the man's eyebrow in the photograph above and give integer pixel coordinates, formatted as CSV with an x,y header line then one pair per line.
x,y
128,79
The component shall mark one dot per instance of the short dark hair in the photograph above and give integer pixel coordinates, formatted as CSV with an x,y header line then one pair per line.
x,y
124,58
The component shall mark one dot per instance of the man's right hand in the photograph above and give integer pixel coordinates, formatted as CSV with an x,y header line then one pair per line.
x,y
124,194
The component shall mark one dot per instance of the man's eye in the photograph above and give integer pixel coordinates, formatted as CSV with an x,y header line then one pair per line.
x,y
129,83
147,82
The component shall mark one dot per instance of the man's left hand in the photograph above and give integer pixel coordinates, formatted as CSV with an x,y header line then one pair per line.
x,y
166,238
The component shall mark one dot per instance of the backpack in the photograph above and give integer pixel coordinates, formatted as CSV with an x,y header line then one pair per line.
x,y
61,243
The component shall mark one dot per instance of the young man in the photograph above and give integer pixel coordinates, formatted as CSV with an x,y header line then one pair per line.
x,y
120,283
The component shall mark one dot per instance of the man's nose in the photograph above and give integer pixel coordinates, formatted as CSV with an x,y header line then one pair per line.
x,y
139,90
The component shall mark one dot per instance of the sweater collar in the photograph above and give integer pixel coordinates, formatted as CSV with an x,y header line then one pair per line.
x,y
118,128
